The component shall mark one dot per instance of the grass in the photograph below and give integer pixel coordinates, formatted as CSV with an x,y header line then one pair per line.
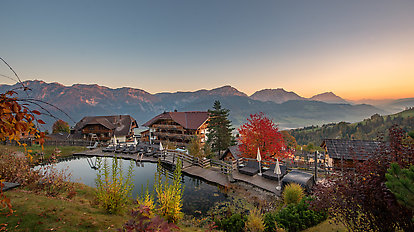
x,y
48,150
327,226
37,212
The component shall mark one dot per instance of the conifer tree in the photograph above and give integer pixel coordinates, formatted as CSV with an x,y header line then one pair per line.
x,y
219,128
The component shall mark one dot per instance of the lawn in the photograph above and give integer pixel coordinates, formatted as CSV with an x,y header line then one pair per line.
x,y
37,212
327,226
62,151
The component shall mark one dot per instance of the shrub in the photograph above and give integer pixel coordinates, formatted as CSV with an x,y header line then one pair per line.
x,y
360,199
143,221
55,182
235,223
225,209
18,169
113,189
292,194
254,222
169,196
146,200
270,222
294,217
44,178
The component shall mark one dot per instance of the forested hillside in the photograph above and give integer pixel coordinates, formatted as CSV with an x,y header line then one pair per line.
x,y
368,129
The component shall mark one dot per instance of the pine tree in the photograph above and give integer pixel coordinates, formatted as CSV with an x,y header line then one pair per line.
x,y
219,129
401,183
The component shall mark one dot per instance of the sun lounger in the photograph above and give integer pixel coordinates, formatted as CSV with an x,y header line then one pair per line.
x,y
93,147
134,150
251,169
270,173
110,148
119,149
128,149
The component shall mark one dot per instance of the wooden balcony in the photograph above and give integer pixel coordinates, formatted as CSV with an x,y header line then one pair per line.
x,y
170,135
98,131
166,126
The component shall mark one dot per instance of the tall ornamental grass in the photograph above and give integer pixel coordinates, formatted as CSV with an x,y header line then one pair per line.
x,y
293,194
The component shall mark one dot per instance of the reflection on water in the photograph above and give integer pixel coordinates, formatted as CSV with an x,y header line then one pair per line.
x,y
198,195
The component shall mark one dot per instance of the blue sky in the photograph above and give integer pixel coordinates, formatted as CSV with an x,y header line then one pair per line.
x,y
358,49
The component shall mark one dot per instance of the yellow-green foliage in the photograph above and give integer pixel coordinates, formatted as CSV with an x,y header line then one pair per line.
x,y
169,196
169,145
255,221
147,200
292,194
113,189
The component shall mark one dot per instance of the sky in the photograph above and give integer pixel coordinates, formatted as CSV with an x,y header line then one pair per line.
x,y
356,49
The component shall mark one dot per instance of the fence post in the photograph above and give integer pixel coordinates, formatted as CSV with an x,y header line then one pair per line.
x,y
316,166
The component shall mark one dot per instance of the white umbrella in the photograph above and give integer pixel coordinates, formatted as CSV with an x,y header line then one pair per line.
x,y
277,168
161,147
277,172
259,158
114,139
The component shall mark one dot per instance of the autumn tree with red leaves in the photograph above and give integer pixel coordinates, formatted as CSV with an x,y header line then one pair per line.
x,y
261,132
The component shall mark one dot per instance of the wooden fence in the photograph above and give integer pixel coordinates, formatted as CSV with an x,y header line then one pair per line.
x,y
29,142
226,167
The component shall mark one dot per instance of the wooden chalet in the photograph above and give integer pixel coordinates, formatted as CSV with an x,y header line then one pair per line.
x,y
231,154
342,153
105,127
178,127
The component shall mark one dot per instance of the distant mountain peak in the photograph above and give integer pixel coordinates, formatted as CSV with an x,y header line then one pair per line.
x,y
328,97
226,90
278,95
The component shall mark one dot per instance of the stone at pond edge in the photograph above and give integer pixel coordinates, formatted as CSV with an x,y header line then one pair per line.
x,y
9,185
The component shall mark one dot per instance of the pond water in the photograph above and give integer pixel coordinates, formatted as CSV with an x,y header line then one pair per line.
x,y
198,197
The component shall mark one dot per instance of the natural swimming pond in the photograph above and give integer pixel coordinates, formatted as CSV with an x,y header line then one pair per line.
x,y
198,197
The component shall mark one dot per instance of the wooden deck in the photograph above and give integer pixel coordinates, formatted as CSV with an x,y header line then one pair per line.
x,y
210,174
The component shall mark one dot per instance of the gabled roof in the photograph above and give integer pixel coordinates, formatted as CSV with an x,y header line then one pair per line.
x,y
234,150
189,120
122,124
350,149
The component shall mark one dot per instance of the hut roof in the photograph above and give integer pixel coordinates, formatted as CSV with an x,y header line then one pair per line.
x,y
350,149
234,150
122,124
188,120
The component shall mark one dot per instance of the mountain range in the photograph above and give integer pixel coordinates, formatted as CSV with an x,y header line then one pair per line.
x,y
287,109
280,95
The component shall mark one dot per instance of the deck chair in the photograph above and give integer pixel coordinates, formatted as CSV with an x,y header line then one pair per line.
x,y
251,169
93,147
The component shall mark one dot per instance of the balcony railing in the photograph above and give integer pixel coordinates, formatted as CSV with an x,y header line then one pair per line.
x,y
171,135
166,126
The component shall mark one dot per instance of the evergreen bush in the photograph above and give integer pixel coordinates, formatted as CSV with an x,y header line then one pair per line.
x,y
235,223
294,217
